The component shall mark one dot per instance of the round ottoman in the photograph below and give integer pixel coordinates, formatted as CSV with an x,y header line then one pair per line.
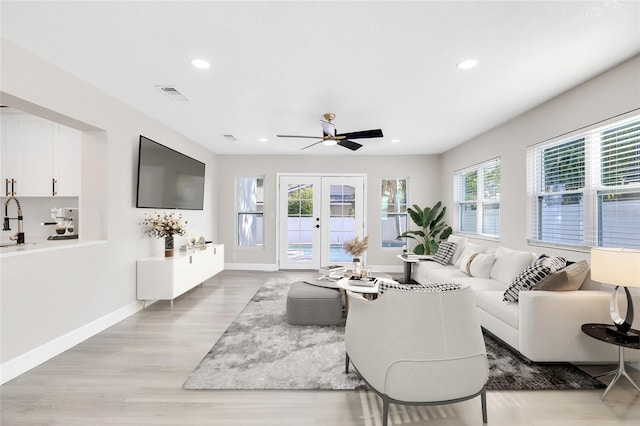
x,y
312,305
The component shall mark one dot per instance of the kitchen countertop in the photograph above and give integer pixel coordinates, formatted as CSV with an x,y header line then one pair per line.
x,y
39,246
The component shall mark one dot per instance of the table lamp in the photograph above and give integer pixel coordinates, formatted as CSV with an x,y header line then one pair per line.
x,y
621,268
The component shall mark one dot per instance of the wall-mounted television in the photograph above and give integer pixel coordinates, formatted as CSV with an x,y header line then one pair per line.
x,y
168,179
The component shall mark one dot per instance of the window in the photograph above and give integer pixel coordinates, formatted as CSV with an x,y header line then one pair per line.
x,y
250,211
584,190
477,199
394,211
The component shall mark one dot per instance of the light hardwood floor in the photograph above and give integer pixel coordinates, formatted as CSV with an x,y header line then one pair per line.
x,y
132,374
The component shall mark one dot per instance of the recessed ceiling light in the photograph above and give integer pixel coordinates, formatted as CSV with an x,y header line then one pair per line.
x,y
263,140
200,63
466,64
395,140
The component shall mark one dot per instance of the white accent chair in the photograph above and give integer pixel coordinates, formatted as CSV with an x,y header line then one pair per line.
x,y
418,347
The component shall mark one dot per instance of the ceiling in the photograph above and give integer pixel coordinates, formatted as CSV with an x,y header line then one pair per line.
x,y
277,67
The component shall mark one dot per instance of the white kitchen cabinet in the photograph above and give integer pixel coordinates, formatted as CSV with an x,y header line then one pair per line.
x,y
67,160
165,278
39,157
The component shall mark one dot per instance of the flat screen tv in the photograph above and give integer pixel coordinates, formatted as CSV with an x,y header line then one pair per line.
x,y
168,179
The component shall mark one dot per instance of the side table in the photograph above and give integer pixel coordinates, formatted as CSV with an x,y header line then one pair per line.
x,y
408,263
599,332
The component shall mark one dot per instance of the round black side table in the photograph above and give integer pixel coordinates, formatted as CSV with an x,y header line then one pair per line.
x,y
599,331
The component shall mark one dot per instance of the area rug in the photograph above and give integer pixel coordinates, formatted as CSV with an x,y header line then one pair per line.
x,y
260,350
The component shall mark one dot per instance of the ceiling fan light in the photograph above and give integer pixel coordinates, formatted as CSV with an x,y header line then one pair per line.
x,y
330,142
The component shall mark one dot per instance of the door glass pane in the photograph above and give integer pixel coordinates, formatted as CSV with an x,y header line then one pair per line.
x,y
341,220
300,222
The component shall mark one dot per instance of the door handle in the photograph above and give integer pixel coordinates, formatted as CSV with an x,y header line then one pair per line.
x,y
53,187
6,187
317,226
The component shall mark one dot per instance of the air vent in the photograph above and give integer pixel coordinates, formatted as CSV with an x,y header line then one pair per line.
x,y
230,138
173,93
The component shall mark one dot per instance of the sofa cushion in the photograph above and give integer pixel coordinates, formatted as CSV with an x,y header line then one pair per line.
x,y
532,275
482,284
445,275
461,242
445,252
567,279
509,263
492,303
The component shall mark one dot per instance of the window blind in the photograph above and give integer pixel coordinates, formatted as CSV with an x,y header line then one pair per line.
x,y
477,197
585,190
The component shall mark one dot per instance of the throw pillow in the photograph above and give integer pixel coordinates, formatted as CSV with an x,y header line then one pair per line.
x,y
468,249
508,264
525,280
445,252
480,266
429,288
567,279
460,244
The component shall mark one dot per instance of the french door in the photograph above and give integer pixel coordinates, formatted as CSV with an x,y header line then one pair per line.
x,y
317,214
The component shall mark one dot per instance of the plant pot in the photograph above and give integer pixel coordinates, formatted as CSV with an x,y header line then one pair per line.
x,y
168,246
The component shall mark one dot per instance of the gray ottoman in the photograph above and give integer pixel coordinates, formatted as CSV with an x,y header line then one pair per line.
x,y
313,305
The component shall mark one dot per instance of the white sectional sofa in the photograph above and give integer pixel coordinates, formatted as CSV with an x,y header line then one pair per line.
x,y
543,325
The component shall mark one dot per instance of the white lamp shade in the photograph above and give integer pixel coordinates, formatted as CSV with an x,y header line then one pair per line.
x,y
620,267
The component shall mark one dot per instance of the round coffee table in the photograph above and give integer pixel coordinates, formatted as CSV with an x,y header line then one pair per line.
x,y
324,281
599,332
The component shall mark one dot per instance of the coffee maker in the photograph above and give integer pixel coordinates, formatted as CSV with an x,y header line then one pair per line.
x,y
65,222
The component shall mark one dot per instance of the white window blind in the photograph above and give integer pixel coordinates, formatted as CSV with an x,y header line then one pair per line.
x,y
477,198
584,190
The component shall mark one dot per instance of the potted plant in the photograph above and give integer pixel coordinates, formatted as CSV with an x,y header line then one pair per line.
x,y
356,248
165,226
432,230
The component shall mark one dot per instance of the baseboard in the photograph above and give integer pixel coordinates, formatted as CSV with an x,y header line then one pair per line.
x,y
25,362
273,267
251,267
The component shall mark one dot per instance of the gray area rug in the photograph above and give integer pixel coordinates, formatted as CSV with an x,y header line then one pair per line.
x,y
260,350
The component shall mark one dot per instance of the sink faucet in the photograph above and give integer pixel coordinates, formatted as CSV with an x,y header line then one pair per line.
x,y
19,236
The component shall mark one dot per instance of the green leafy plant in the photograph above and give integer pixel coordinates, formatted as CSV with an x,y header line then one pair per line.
x,y
432,230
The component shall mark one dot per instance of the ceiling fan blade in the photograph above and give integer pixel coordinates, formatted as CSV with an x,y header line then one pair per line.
x,y
294,136
363,134
329,129
353,146
313,144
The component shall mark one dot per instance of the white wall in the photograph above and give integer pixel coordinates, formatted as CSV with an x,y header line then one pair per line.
x,y
612,93
47,296
423,172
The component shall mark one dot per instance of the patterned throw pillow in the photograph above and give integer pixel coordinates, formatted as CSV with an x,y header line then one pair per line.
x,y
445,252
430,288
532,275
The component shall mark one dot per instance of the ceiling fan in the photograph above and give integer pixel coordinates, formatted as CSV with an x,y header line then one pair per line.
x,y
329,136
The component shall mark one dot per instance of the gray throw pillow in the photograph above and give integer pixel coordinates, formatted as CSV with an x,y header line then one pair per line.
x,y
567,279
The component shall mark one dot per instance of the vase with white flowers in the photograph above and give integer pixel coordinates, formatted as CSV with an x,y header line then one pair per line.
x,y
165,225
356,248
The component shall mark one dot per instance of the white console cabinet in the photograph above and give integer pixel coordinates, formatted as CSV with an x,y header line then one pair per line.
x,y
165,278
